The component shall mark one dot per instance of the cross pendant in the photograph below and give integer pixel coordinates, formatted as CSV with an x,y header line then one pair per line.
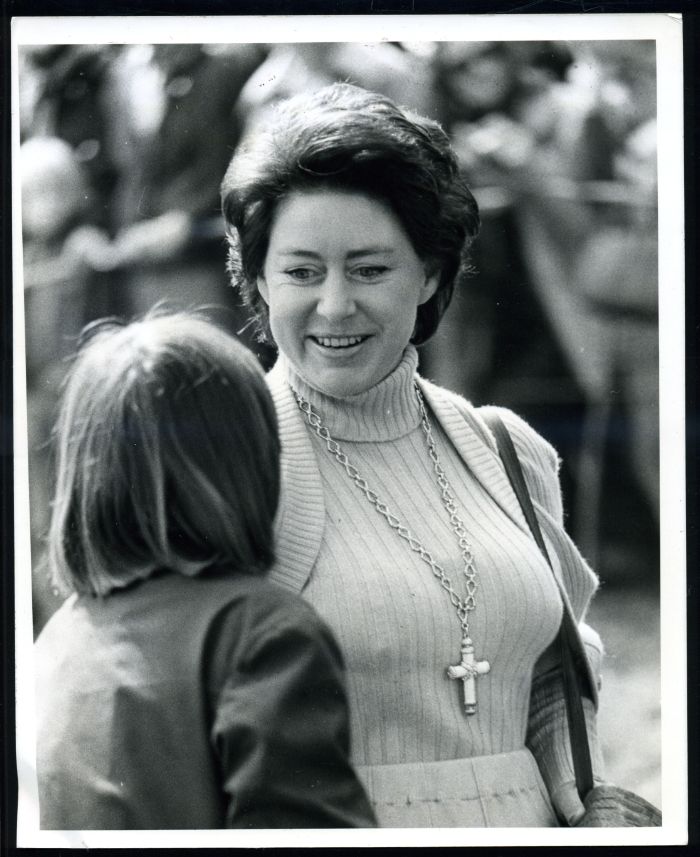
x,y
468,670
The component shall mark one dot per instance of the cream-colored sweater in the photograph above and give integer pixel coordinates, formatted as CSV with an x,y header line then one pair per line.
x,y
394,621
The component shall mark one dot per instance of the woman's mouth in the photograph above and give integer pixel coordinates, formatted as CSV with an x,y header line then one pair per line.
x,y
338,342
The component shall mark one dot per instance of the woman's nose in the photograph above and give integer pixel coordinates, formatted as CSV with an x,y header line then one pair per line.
x,y
336,301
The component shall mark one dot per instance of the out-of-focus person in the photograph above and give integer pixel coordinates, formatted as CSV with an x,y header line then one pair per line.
x,y
61,254
547,139
174,104
177,688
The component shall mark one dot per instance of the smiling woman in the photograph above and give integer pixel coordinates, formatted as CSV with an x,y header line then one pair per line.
x,y
342,283
349,227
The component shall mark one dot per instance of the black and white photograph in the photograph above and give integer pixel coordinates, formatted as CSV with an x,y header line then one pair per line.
x,y
348,426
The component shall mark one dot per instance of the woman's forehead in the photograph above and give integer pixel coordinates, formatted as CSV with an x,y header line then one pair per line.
x,y
306,222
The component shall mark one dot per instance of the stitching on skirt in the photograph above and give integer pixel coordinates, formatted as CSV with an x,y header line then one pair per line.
x,y
513,792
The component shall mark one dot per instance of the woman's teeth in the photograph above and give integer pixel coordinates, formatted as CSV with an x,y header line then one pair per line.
x,y
337,341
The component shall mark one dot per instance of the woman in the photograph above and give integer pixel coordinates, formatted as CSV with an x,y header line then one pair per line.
x,y
349,227
176,687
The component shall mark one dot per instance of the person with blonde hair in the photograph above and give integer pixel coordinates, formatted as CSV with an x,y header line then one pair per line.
x,y
177,687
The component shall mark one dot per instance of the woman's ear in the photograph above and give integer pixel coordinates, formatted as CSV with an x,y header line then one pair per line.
x,y
430,286
263,289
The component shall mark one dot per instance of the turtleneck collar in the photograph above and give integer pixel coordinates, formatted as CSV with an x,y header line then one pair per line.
x,y
387,411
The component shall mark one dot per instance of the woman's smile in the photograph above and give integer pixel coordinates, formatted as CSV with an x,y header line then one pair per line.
x,y
335,342
339,348
343,283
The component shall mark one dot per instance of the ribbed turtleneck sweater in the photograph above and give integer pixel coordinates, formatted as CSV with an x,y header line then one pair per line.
x,y
394,621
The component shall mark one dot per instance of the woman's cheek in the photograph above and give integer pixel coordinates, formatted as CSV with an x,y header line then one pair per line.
x,y
288,307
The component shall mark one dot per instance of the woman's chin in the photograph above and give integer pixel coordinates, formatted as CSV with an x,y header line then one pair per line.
x,y
340,384
341,373
339,381
338,372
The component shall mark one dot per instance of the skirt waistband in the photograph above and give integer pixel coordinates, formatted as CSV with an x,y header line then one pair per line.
x,y
471,778
501,790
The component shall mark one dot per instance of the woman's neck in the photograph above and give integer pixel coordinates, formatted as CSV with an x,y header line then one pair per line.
x,y
384,412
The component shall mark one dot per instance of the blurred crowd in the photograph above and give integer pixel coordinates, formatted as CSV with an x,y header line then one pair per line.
x,y
123,149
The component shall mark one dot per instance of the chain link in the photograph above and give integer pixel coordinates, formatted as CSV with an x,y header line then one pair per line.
x,y
463,606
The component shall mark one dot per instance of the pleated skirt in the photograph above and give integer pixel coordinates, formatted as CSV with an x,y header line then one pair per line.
x,y
503,790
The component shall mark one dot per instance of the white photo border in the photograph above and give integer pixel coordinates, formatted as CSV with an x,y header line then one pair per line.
x,y
666,30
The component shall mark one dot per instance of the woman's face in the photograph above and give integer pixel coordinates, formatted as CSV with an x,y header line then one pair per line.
x,y
342,283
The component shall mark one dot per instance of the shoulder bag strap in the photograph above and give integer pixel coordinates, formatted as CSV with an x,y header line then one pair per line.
x,y
580,749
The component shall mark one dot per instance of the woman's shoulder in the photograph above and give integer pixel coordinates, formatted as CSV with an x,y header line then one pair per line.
x,y
538,458
528,442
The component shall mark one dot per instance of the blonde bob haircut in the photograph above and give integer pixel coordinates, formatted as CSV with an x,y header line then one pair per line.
x,y
167,456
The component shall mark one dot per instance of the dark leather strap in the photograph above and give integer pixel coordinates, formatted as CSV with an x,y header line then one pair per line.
x,y
580,749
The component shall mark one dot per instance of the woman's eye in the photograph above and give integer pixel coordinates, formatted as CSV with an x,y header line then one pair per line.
x,y
369,272
300,274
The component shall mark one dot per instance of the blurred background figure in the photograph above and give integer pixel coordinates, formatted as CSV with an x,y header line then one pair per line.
x,y
62,252
172,134
481,88
559,141
65,92
124,148
404,75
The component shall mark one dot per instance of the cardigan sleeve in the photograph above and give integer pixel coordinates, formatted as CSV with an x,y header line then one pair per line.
x,y
549,742
281,729
540,464
548,730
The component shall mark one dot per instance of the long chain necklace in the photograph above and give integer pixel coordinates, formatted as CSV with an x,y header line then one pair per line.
x,y
469,669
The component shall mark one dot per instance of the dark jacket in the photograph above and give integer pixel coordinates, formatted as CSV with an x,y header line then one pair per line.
x,y
207,702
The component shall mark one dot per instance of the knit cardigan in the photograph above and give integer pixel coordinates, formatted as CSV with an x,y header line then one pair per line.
x,y
300,535
300,519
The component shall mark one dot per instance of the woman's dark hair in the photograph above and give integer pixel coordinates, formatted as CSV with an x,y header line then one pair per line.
x,y
167,456
346,138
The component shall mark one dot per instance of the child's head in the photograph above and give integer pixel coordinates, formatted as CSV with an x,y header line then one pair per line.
x,y
167,456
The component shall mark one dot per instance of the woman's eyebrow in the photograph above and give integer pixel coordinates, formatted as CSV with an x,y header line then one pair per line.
x,y
370,251
298,253
352,254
